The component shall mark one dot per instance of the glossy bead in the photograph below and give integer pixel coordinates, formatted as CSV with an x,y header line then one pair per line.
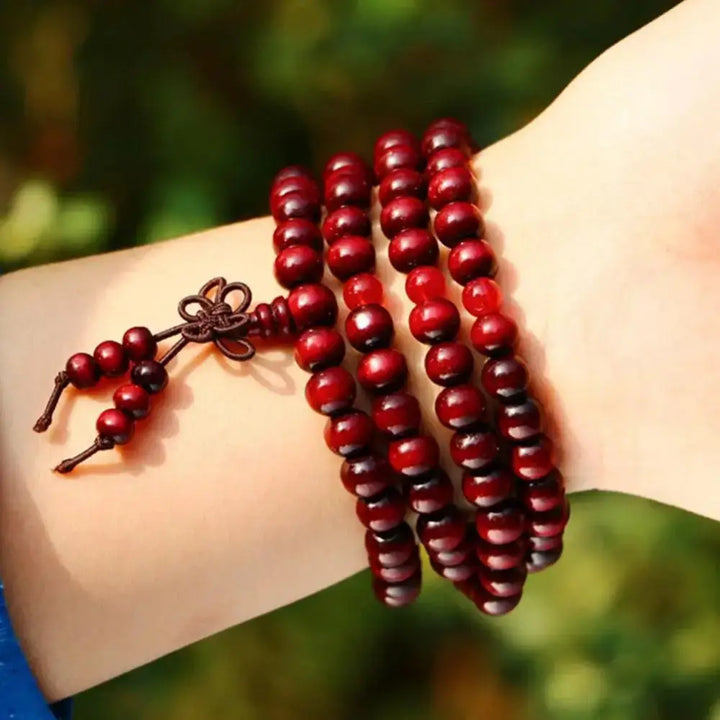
x,y
366,476
381,512
473,450
434,321
521,422
542,495
298,184
533,461
132,400
296,205
492,605
501,557
397,415
443,530
282,320
425,283
538,561
382,371
501,524
412,248
111,358
503,583
391,548
344,221
396,157
331,391
291,171
312,305
369,327
544,544
347,186
150,375
449,363
550,523
349,435
297,232
440,137
404,182
460,554
494,334
414,456
461,407
452,185
319,348
488,488
402,214
471,259
444,159
397,573
116,425
261,320
504,378
350,255
482,296
345,160
139,344
362,289
393,138
397,594
430,494
450,122
82,370
298,265
454,573
458,221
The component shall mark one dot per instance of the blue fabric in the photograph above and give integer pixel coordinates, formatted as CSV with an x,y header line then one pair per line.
x,y
20,697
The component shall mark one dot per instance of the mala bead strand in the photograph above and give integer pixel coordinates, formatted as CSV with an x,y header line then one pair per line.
x,y
320,349
504,377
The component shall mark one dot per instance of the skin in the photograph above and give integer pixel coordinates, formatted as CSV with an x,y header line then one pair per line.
x,y
605,211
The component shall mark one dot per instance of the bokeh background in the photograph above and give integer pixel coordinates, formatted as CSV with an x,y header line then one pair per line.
x,y
127,122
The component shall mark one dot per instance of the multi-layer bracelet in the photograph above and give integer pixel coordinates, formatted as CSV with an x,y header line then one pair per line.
x,y
390,461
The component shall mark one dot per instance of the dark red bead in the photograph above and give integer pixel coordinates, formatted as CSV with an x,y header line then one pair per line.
x,y
331,391
460,554
282,320
501,557
449,363
440,137
349,435
396,157
139,344
550,523
347,186
544,544
458,221
366,476
150,375
391,548
369,327
414,456
396,573
402,214
393,138
430,494
461,407
454,573
82,370
489,488
298,265
382,512
297,184
111,358
504,378
533,461
362,289
452,185
291,171
444,159
350,256
132,400
494,334
449,122
297,232
481,296
520,422
319,348
115,425
425,283
434,321
503,583
443,530
471,259
412,248
404,182
501,524
493,605
474,450
296,205
397,594
382,371
344,160
261,319
397,415
345,221
312,305
537,561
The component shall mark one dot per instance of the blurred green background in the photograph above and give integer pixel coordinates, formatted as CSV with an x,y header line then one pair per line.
x,y
126,122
